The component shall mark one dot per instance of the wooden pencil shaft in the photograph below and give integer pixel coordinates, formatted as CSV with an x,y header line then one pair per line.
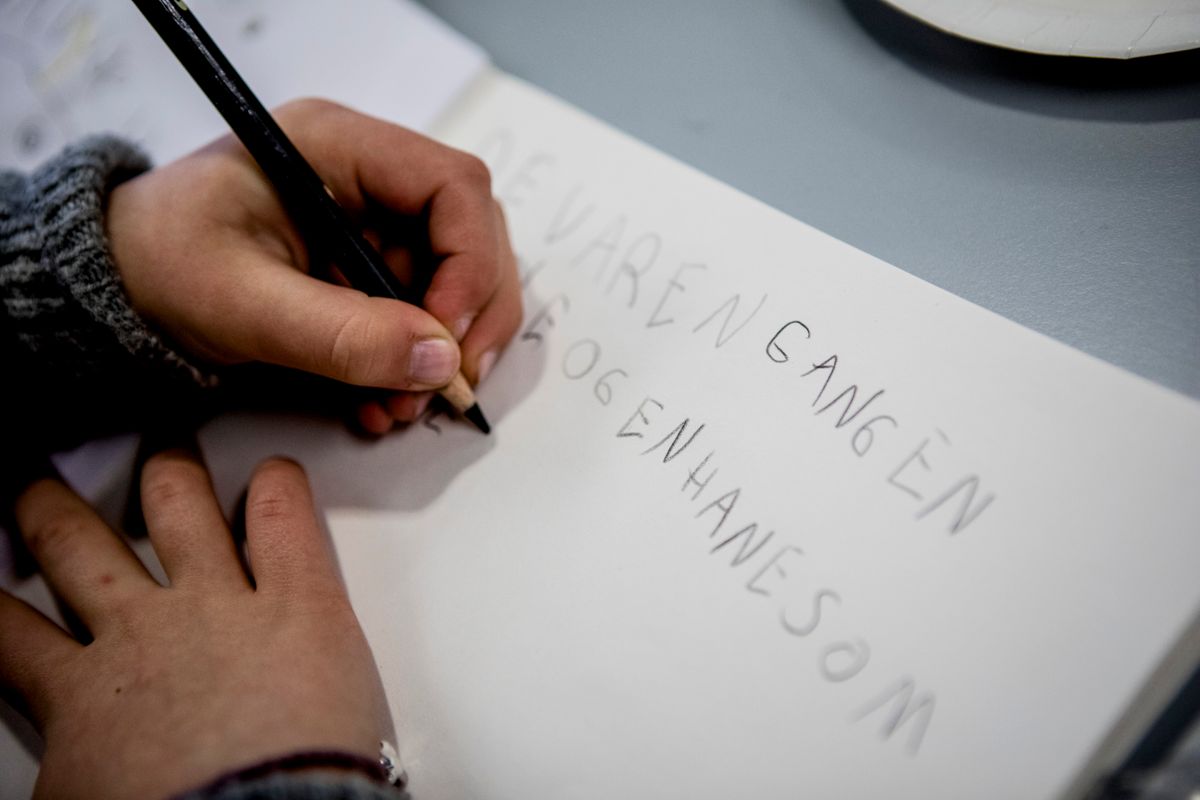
x,y
458,393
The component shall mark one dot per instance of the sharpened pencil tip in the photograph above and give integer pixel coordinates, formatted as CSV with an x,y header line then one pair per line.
x,y
476,416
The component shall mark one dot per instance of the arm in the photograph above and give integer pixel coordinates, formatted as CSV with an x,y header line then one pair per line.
x,y
67,323
156,280
62,297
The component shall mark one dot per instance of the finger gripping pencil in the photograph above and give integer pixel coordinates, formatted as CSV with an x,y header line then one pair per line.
x,y
322,222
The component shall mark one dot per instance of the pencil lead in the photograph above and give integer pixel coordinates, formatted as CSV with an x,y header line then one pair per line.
x,y
475,414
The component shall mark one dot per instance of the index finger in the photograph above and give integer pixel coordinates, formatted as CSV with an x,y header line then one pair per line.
x,y
84,562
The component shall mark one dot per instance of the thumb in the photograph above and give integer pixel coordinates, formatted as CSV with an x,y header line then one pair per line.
x,y
341,333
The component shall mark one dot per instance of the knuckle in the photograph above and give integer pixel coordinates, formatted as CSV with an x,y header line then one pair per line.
x,y
454,301
57,536
343,348
353,349
474,171
166,481
270,504
371,348
279,490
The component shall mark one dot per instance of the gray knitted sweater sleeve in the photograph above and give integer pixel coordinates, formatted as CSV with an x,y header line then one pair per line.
x,y
61,296
300,786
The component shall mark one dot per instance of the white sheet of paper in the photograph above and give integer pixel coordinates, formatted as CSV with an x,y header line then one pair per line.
x,y
74,67
700,558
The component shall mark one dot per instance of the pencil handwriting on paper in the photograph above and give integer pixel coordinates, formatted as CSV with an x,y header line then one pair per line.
x,y
775,570
770,568
624,259
964,509
580,258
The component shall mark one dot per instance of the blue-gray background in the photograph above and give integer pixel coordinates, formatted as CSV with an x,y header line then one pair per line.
x,y
1061,193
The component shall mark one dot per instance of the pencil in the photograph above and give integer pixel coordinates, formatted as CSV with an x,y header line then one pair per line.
x,y
321,220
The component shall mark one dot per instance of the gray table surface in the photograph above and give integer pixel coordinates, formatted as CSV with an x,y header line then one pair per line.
x,y
1063,194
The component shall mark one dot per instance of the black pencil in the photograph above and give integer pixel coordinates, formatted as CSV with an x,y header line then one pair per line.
x,y
322,222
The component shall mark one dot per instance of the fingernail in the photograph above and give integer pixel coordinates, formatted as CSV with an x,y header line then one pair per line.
x,y
433,362
463,325
486,362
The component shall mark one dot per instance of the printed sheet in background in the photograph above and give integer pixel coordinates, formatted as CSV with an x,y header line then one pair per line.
x,y
761,515
73,67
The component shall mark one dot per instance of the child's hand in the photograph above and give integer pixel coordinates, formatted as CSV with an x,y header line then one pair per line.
x,y
210,674
209,257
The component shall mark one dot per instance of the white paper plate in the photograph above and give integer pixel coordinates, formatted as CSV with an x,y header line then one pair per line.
x,y
1099,28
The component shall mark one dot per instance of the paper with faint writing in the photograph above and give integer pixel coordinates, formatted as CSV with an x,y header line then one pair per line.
x,y
761,516
74,67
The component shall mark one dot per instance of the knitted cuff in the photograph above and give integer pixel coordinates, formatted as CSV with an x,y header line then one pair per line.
x,y
61,291
317,775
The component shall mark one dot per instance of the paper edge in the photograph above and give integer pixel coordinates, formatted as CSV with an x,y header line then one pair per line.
x,y
493,75
1147,701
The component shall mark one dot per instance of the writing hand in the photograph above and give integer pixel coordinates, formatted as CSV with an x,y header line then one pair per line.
x,y
211,673
209,257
